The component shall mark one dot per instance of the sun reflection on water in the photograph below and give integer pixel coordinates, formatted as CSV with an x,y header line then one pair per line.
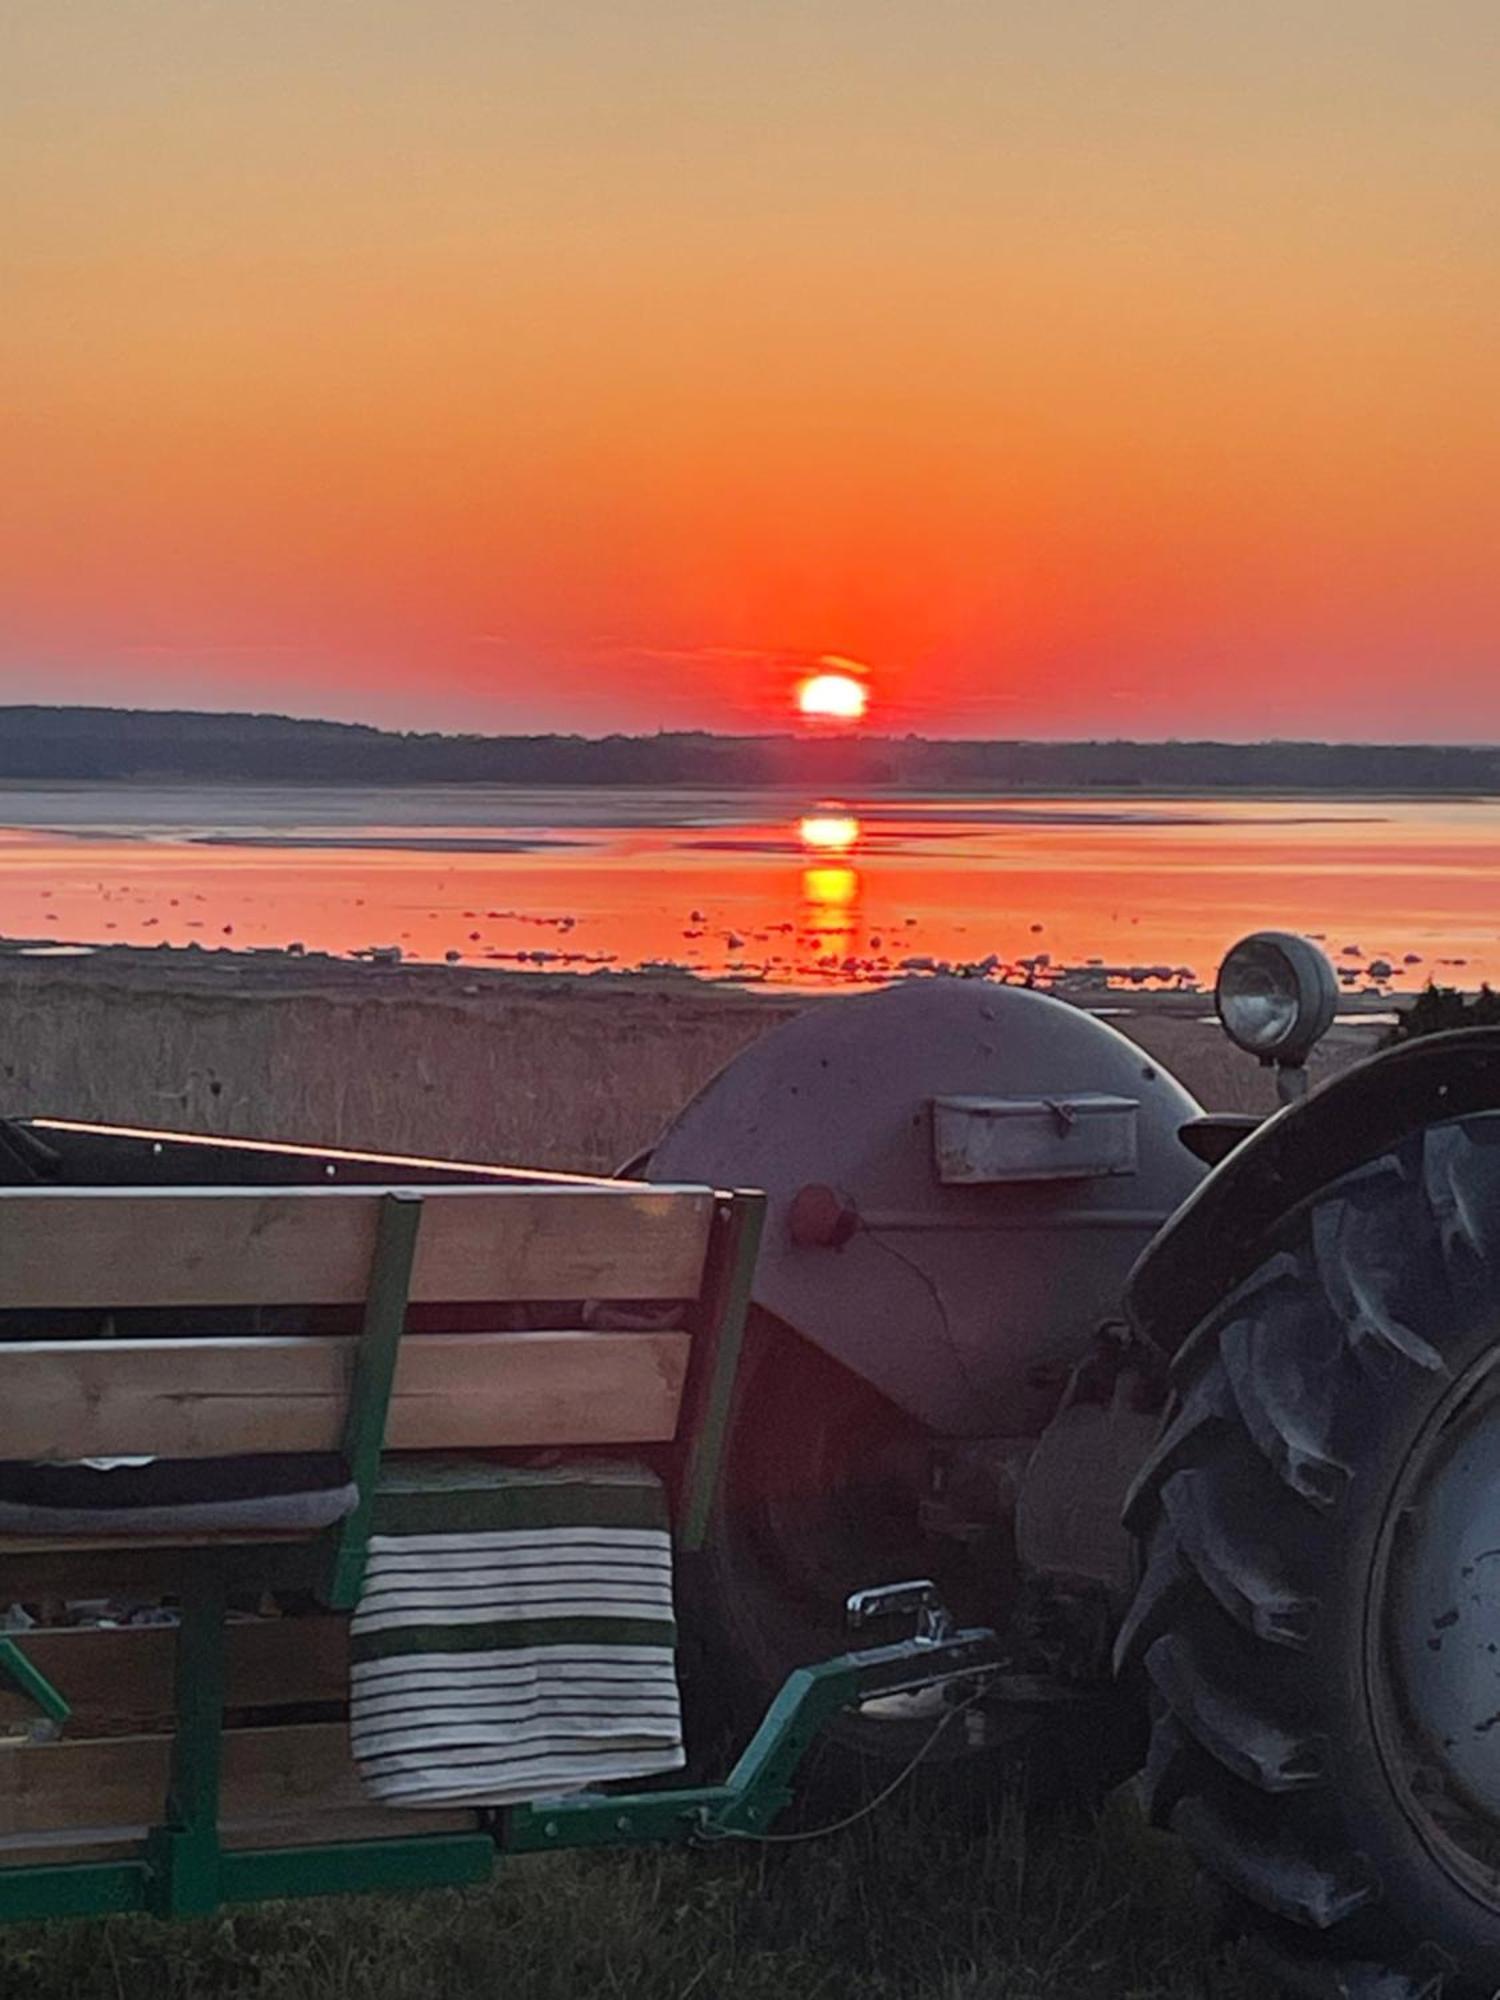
x,y
826,889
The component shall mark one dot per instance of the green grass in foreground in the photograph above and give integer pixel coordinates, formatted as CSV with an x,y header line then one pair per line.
x,y
899,1908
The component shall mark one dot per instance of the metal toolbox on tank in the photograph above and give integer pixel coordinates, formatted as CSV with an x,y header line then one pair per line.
x,y
1084,1136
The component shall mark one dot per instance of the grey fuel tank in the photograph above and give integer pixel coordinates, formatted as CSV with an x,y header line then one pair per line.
x,y
960,1177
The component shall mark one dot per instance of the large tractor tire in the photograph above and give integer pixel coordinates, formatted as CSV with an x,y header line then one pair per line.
x,y
1318,1624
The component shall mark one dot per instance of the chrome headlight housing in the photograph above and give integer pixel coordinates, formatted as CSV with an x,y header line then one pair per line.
x,y
1276,996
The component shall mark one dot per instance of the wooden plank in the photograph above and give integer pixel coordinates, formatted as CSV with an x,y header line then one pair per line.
x,y
206,1398
103,1844
274,1781
120,1247
120,1681
624,1242
33,1572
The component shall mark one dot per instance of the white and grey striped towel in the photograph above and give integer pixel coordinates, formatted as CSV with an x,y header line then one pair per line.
x,y
514,1637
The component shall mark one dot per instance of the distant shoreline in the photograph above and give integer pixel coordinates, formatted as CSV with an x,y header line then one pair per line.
x,y
42,745
795,793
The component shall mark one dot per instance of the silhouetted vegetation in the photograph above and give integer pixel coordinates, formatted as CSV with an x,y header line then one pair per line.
x,y
72,744
1438,1008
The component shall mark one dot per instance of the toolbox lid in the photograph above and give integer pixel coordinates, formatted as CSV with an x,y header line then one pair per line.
x,y
1084,1135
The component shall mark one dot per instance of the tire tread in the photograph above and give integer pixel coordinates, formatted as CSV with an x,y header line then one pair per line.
x,y
1245,1509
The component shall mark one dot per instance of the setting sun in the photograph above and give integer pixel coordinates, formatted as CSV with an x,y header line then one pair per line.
x,y
832,698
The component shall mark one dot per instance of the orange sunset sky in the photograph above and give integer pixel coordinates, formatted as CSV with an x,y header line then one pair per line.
x,y
1123,368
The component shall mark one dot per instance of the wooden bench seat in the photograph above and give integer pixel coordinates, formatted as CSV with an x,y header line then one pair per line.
x,y
190,1398
204,1396
150,1704
120,1247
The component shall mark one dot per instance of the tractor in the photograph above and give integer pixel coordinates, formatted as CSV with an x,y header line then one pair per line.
x,y
1175,1433
1200,1413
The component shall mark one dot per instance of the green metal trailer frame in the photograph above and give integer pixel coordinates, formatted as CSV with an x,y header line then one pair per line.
x,y
184,1871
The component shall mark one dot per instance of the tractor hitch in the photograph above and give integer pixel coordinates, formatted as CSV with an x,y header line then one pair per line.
x,y
761,1784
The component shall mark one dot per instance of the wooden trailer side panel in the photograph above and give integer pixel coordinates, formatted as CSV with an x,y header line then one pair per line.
x,y
119,1680
290,1784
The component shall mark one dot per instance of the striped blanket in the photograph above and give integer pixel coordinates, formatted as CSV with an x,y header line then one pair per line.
x,y
514,1635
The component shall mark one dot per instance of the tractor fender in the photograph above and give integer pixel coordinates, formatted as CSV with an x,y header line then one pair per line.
x,y
963,1304
1214,1241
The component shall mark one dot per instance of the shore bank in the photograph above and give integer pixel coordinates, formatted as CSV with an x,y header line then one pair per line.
x,y
545,1070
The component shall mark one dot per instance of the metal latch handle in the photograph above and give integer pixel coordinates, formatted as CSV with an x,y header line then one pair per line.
x,y
918,1599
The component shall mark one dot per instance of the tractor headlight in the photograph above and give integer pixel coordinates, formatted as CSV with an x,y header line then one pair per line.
x,y
1276,996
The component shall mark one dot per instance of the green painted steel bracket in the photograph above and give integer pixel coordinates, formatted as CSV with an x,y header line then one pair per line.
x,y
29,1680
370,1392
186,1870
739,1223
72,1889
185,1873
357,1867
101,1889
760,1785
182,1857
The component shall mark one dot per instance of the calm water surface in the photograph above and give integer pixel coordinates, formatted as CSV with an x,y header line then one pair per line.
x,y
757,885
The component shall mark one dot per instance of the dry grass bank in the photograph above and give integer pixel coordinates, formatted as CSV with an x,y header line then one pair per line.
x,y
552,1072
547,1072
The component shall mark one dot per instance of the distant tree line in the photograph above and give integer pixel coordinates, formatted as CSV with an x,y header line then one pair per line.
x,y
114,743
